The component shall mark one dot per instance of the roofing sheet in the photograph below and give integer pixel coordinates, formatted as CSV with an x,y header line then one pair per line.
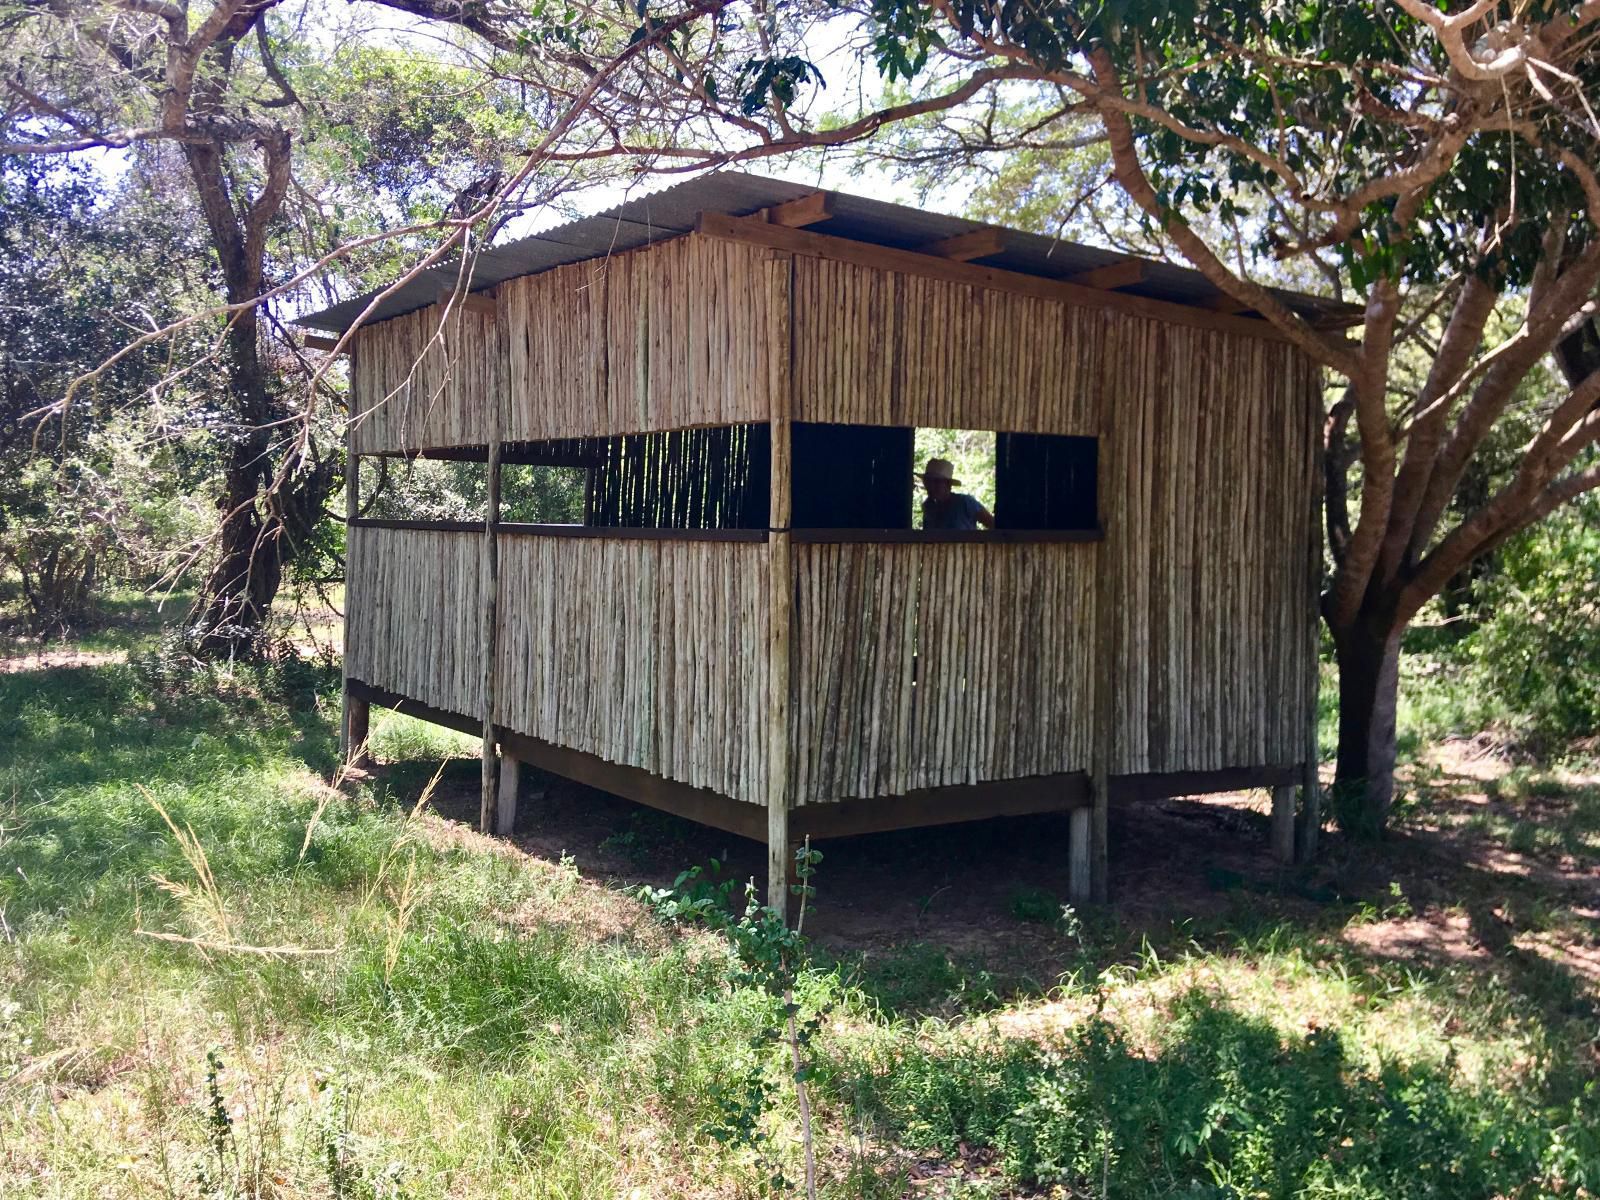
x,y
672,212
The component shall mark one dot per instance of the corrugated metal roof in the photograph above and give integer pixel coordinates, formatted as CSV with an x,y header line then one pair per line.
x,y
672,212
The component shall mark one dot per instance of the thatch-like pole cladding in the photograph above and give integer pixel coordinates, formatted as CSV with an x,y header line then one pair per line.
x,y
700,639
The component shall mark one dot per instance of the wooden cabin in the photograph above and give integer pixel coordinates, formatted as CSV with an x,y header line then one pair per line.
x,y
746,629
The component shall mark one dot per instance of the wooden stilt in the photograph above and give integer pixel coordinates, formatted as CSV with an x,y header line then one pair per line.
x,y
1310,822
357,715
510,778
1283,821
1080,886
1310,813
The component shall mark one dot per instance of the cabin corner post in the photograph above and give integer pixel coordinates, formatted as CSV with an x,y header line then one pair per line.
x,y
780,582
489,817
1096,886
354,713
1310,816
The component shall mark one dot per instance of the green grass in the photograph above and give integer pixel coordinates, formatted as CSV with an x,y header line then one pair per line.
x,y
443,1016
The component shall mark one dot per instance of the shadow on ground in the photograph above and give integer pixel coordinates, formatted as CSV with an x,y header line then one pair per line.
x,y
964,918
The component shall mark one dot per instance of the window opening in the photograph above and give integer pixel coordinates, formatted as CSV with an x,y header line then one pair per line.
x,y
970,453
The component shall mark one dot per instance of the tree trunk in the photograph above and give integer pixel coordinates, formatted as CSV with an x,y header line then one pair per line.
x,y
1369,677
243,582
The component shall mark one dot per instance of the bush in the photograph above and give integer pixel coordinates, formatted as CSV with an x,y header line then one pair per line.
x,y
1537,650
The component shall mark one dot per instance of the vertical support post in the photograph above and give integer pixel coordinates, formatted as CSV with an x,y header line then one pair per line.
x,y
780,583
490,583
1080,884
1283,821
1105,660
359,714
510,781
1311,786
350,746
1310,809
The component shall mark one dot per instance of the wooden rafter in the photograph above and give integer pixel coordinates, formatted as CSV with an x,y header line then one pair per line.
x,y
1112,275
472,302
313,341
1224,303
964,247
807,210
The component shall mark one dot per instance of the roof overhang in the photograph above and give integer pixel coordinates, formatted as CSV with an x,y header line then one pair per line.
x,y
676,210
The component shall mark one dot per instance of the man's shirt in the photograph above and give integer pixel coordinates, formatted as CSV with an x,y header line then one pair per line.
x,y
961,512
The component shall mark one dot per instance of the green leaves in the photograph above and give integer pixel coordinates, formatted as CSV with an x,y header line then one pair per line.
x,y
774,81
1337,94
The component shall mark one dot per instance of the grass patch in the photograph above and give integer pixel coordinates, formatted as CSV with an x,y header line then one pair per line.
x,y
374,1003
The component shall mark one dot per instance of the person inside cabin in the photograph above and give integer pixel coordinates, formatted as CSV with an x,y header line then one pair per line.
x,y
944,507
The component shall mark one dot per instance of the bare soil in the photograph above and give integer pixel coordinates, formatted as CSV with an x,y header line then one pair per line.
x,y
986,894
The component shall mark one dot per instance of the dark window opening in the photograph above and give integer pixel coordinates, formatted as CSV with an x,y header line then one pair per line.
x,y
714,478
850,476
1046,481
703,479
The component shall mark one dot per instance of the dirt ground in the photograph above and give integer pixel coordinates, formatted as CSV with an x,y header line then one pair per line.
x,y
1442,886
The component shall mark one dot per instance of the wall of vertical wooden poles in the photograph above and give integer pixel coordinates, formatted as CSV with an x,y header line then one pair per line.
x,y
1186,640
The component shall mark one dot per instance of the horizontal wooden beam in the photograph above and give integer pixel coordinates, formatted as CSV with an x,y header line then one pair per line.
x,y
964,247
942,806
313,341
472,302
909,262
1112,275
1224,303
807,210
988,536
620,533
1164,786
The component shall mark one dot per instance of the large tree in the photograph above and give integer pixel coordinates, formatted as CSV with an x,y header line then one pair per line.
x,y
275,178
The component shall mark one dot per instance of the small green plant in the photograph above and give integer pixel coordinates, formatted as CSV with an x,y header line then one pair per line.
x,y
769,956
218,1166
1034,905
333,1134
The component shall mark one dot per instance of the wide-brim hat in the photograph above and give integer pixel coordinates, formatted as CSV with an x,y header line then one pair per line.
x,y
940,468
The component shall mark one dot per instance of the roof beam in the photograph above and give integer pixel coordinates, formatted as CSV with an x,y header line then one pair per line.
x,y
472,302
1112,275
1224,303
965,247
807,210
314,341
